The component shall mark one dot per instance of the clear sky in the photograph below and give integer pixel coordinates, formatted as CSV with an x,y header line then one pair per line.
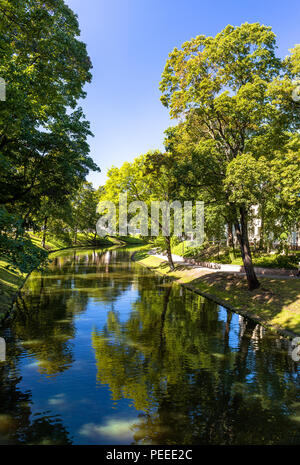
x,y
129,41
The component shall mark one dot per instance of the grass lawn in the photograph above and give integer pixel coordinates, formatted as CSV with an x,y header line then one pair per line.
x,y
51,244
275,304
131,240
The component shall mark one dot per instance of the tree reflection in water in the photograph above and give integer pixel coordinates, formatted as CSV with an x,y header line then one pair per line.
x,y
176,364
191,372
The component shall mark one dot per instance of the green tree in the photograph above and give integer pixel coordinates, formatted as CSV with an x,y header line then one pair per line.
x,y
44,152
151,177
42,133
15,246
235,95
51,212
84,207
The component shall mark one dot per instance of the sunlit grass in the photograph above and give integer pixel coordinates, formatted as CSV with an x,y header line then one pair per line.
x,y
276,303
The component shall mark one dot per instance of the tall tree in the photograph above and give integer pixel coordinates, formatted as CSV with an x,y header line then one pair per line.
x,y
236,94
44,150
149,178
43,135
84,208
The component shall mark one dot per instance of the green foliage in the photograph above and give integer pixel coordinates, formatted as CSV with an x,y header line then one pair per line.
x,y
133,240
208,252
239,124
175,241
160,243
289,261
15,247
245,177
150,177
60,231
234,123
44,149
84,207
44,152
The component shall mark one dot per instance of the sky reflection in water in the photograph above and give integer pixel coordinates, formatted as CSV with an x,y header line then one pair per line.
x,y
101,351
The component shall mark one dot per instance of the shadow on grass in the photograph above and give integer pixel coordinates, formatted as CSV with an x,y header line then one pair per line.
x,y
276,302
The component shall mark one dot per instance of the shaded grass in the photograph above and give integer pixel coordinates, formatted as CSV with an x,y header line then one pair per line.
x,y
275,304
132,240
10,281
82,240
51,244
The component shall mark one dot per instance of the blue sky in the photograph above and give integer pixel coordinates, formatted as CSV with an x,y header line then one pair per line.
x,y
129,42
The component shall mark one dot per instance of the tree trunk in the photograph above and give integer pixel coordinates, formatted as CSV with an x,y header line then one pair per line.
x,y
25,218
75,237
44,232
242,235
169,253
230,242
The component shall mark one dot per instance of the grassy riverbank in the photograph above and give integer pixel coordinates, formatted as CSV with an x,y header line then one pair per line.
x,y
276,304
10,282
12,279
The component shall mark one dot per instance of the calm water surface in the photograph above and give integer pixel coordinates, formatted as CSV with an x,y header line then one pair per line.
x,y
102,351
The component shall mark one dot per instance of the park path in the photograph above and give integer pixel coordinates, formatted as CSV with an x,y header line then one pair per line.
x,y
180,260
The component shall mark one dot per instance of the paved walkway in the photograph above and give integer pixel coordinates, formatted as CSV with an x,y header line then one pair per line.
x,y
180,260
176,258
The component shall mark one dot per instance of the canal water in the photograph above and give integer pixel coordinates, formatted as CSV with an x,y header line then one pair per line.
x,y
102,351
